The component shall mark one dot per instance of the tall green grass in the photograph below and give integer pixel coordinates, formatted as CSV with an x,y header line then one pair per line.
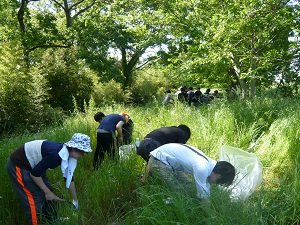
x,y
113,194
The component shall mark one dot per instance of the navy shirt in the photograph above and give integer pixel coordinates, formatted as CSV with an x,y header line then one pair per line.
x,y
50,158
110,122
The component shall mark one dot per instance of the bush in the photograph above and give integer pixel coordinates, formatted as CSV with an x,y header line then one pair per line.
x,y
146,85
108,93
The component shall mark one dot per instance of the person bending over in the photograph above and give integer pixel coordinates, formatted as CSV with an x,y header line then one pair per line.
x,y
161,136
106,135
27,168
172,162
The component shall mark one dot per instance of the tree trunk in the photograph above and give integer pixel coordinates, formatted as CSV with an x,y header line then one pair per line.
x,y
237,73
252,66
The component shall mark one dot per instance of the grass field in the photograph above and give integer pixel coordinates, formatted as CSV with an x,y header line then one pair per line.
x,y
113,195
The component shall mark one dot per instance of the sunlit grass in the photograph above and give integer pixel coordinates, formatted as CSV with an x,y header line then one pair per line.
x,y
266,127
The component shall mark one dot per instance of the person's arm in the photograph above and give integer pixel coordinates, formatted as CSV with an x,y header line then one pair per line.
x,y
119,130
72,189
200,176
48,193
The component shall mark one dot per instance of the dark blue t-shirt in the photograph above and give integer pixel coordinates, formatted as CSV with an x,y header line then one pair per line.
x,y
50,158
110,122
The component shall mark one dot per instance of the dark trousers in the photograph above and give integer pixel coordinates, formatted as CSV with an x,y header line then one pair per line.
x,y
106,143
37,208
146,146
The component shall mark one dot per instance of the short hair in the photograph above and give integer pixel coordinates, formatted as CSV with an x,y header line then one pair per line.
x,y
186,130
98,116
168,91
227,172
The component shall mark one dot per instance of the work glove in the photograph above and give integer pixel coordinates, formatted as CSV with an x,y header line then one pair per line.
x,y
75,203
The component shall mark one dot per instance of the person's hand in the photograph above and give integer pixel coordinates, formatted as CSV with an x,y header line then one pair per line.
x,y
50,196
75,203
121,139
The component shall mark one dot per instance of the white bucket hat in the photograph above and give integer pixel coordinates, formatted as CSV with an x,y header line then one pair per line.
x,y
81,142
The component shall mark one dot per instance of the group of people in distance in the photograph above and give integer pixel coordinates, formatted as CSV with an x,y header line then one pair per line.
x,y
164,150
191,97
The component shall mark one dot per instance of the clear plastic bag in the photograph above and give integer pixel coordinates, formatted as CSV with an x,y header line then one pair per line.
x,y
125,151
248,171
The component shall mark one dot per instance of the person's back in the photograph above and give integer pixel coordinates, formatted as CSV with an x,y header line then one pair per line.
x,y
162,136
180,157
109,122
166,135
182,96
168,99
186,159
106,136
191,96
198,92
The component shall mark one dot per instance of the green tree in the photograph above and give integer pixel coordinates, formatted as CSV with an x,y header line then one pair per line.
x,y
67,79
236,41
128,27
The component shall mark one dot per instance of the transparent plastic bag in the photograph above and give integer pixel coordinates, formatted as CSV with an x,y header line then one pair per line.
x,y
125,151
248,171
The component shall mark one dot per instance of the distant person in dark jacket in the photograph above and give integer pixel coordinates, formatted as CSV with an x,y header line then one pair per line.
x,y
161,136
191,96
182,96
27,168
198,96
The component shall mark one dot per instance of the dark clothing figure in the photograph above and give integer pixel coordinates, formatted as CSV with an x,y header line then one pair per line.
x,y
127,130
162,136
182,96
106,137
207,92
198,96
191,96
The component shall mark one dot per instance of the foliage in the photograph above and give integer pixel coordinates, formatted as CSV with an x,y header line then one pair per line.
x,y
231,42
66,78
108,93
148,84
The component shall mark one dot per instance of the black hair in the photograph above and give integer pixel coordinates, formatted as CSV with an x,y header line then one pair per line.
x,y
227,172
168,91
186,130
98,116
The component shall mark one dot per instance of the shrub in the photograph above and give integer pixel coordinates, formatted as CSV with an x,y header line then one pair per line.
x,y
108,93
146,85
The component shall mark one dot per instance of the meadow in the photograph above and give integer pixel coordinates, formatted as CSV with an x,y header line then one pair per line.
x,y
267,127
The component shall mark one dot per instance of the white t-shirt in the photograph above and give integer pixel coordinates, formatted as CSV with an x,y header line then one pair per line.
x,y
181,158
